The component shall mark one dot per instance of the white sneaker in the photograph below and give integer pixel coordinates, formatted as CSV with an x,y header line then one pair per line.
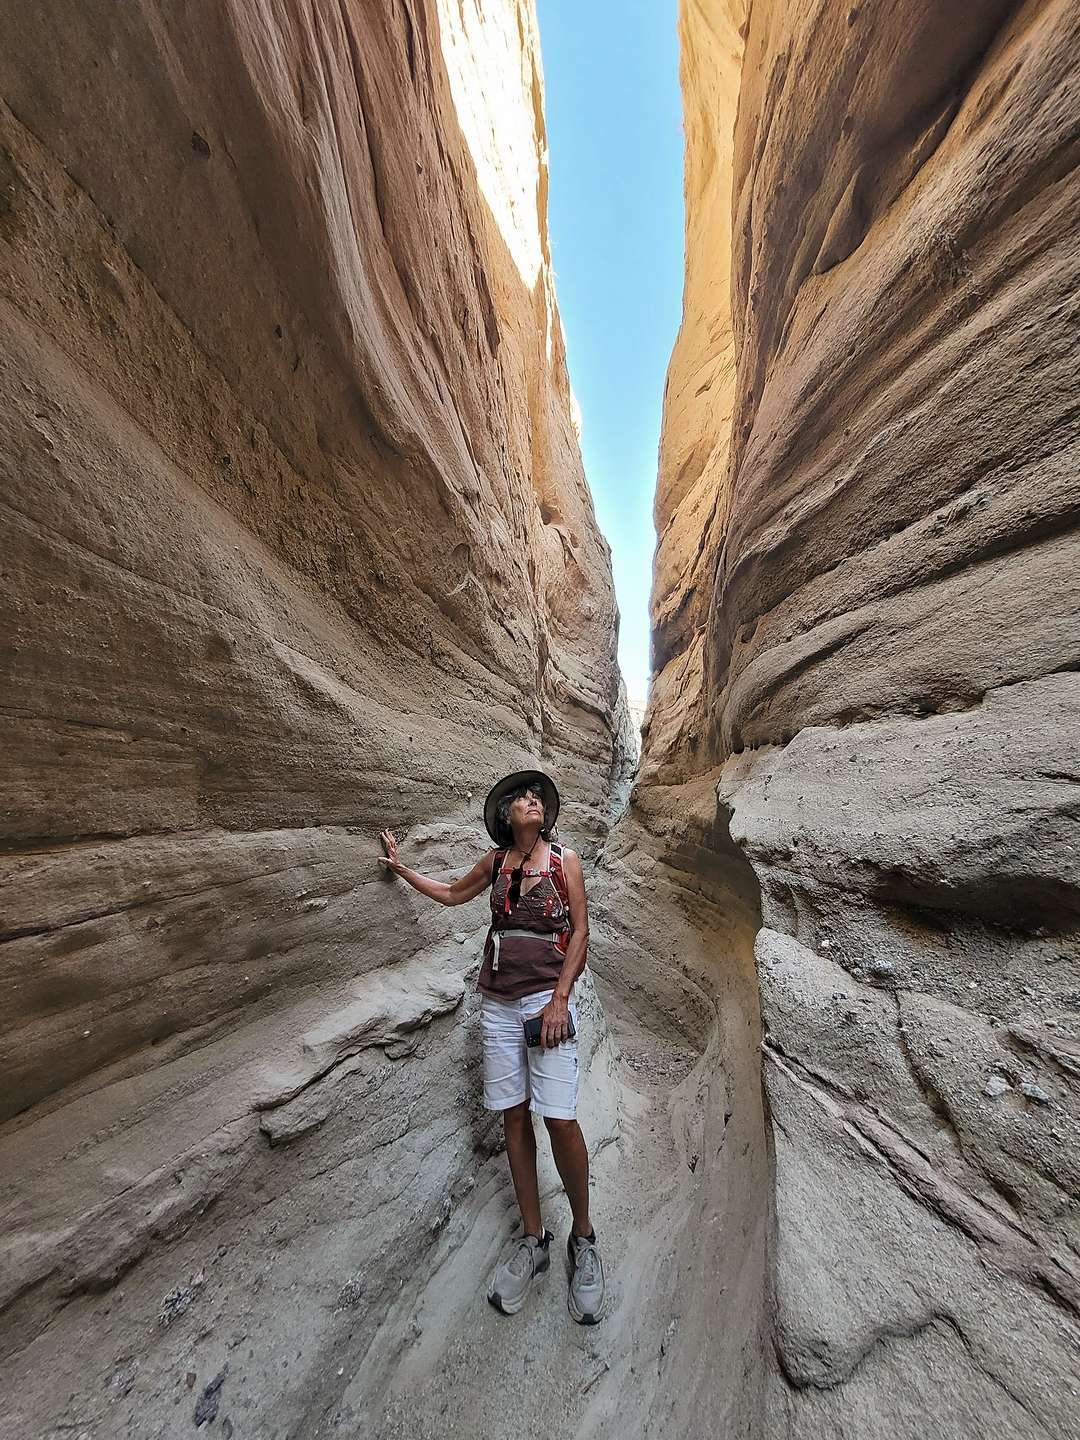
x,y
585,1298
528,1258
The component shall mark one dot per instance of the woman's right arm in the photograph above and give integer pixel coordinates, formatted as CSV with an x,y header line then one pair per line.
x,y
467,888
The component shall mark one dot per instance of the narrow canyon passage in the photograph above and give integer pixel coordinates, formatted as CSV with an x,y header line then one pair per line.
x,y
673,1114
297,544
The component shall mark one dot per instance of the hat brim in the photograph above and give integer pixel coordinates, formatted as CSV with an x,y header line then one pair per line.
x,y
507,785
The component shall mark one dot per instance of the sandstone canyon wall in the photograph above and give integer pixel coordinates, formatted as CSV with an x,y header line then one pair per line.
x,y
867,637
297,544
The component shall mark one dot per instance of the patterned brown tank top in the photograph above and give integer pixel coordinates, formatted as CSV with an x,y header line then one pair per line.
x,y
517,964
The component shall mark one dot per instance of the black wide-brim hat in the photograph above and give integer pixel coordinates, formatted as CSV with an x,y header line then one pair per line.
x,y
506,786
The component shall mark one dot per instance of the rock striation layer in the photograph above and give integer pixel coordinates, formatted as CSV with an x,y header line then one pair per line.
x,y
297,545
867,633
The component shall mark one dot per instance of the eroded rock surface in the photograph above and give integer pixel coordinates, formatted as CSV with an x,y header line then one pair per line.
x,y
297,545
867,631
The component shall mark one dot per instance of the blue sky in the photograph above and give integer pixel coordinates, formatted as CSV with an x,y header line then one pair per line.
x,y
614,117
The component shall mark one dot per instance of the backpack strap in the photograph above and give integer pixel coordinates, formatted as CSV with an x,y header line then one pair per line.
x,y
496,864
558,879
558,875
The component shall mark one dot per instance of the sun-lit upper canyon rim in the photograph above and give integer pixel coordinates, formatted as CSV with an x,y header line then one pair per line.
x,y
297,543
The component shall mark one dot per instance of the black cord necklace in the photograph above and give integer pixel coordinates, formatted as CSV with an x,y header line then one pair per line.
x,y
514,893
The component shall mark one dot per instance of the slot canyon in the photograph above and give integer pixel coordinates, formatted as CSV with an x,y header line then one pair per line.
x,y
297,544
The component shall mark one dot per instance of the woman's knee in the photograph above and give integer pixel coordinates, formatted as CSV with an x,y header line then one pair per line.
x,y
558,1128
516,1117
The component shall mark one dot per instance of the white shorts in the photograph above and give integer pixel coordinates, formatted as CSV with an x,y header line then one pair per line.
x,y
513,1072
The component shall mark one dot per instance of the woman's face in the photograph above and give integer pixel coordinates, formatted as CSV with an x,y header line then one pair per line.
x,y
527,809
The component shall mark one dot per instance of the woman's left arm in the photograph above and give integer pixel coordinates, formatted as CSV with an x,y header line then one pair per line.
x,y
555,1027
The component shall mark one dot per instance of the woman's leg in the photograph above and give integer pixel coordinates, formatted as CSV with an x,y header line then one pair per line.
x,y
572,1161
521,1152
517,1125
506,1088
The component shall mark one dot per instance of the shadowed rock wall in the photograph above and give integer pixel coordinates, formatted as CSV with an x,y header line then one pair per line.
x,y
296,545
866,613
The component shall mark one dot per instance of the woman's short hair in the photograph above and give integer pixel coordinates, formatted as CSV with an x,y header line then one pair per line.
x,y
506,832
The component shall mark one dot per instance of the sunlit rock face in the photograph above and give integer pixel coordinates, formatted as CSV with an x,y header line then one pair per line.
x,y
692,494
297,545
867,634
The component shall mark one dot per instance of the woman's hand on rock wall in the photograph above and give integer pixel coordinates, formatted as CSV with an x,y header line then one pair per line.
x,y
391,861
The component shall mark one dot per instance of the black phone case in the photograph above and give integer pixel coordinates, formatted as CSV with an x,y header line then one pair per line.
x,y
532,1030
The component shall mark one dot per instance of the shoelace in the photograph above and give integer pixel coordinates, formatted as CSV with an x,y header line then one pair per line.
x,y
587,1263
521,1261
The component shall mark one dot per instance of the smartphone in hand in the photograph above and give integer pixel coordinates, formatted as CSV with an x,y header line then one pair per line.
x,y
533,1027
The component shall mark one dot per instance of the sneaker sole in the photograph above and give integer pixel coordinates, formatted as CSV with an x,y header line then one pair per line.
x,y
583,1317
505,1307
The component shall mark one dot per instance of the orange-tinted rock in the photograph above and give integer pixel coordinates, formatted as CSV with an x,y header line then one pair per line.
x,y
297,545
866,614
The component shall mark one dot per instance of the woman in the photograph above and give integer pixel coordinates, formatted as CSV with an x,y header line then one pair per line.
x,y
535,950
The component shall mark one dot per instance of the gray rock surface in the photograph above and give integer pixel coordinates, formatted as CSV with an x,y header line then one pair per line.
x,y
867,619
297,544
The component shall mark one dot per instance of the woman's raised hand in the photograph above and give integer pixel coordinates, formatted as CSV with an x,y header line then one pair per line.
x,y
391,862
